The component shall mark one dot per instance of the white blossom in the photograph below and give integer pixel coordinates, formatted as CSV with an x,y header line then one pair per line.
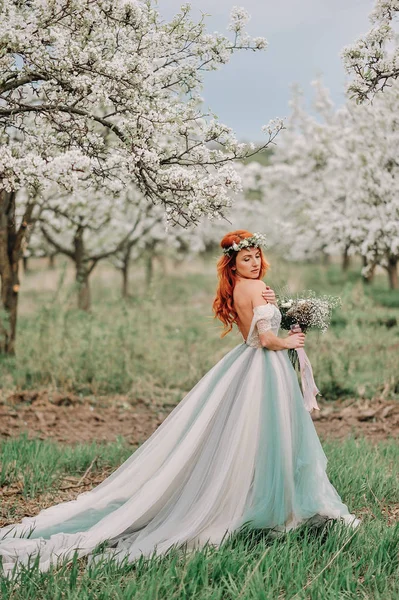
x,y
373,60
118,86
333,182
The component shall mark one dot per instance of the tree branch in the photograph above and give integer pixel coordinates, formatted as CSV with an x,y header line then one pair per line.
x,y
23,108
16,83
56,245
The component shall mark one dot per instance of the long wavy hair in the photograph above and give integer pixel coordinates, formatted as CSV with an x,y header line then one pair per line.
x,y
223,304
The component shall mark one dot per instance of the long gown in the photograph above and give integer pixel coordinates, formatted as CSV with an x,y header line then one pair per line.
x,y
240,448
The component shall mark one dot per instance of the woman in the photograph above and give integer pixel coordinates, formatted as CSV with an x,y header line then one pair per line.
x,y
239,449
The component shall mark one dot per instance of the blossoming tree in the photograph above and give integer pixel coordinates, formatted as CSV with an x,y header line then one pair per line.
x,y
373,59
20,165
336,181
122,86
91,230
111,89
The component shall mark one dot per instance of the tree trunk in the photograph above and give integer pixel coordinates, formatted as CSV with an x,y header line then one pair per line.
x,y
149,263
149,269
25,264
392,269
82,271
10,255
51,261
346,259
84,297
125,281
125,272
368,279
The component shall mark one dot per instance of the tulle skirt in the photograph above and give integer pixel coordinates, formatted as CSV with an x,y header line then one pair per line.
x,y
239,449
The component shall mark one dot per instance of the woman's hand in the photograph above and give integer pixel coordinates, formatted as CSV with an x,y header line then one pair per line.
x,y
295,340
296,329
269,295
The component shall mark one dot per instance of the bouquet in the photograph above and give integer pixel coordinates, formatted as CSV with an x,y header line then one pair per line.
x,y
309,312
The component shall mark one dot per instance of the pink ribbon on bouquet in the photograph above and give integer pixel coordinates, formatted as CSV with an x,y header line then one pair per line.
x,y
309,387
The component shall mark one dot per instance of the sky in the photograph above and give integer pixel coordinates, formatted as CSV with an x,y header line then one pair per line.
x,y
305,40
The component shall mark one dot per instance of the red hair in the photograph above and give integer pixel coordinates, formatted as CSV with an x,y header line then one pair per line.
x,y
223,304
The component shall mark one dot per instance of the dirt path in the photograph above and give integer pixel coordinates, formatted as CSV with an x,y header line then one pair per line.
x,y
69,419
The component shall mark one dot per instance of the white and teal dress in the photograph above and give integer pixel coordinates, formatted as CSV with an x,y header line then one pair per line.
x,y
239,449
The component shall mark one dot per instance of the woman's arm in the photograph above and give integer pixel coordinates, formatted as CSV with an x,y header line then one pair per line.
x,y
271,341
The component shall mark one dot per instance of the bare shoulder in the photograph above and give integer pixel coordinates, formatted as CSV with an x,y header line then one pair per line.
x,y
252,286
250,290
256,284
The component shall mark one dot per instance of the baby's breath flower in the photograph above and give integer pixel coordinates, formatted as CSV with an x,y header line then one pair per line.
x,y
310,311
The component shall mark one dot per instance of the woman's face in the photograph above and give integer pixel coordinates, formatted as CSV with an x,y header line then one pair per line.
x,y
248,263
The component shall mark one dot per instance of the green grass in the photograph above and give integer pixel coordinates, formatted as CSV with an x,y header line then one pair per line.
x,y
330,564
39,465
161,341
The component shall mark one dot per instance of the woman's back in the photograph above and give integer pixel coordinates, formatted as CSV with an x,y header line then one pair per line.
x,y
244,297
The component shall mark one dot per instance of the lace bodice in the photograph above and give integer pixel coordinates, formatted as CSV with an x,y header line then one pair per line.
x,y
266,317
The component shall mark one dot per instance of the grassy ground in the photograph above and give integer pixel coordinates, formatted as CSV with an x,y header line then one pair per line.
x,y
330,564
160,342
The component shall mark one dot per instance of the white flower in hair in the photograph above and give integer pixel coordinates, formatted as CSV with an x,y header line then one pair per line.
x,y
255,240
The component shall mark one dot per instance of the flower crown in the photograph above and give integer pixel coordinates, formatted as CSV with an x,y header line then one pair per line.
x,y
256,240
